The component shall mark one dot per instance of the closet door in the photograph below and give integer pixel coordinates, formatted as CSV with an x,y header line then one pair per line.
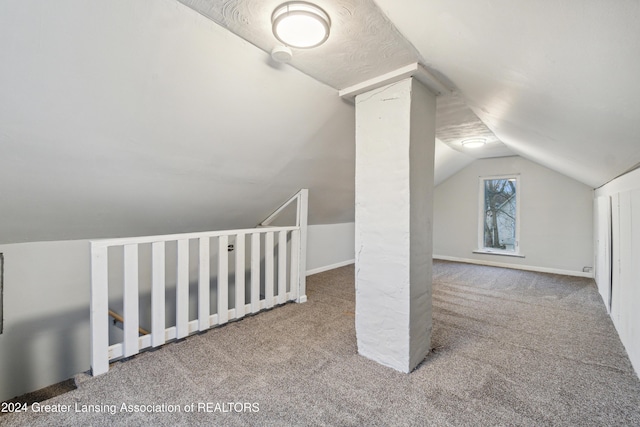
x,y
602,211
622,277
615,258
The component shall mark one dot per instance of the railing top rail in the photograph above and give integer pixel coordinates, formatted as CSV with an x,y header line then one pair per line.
x,y
296,198
170,237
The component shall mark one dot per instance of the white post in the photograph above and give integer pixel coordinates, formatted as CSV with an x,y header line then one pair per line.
x,y
99,313
395,138
294,280
302,214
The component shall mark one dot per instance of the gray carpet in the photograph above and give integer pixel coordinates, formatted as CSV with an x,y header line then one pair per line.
x,y
43,394
510,348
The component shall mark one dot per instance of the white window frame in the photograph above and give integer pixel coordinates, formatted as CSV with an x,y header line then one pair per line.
x,y
481,218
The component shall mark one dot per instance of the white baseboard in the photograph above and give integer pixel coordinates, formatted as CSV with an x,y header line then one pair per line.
x,y
470,261
330,267
515,266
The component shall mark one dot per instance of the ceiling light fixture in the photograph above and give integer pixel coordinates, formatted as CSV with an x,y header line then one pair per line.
x,y
300,24
473,142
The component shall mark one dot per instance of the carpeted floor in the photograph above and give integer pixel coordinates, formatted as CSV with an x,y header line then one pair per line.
x,y
41,395
510,348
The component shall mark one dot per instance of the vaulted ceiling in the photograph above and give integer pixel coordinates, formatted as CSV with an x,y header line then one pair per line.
x,y
129,118
555,81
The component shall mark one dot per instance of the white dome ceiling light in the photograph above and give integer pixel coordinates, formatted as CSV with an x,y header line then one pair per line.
x,y
300,24
473,142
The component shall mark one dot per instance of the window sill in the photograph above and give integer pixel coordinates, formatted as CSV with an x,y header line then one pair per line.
x,y
487,252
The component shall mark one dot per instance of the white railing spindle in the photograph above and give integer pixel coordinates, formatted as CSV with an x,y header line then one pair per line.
x,y
182,289
131,305
268,269
282,266
223,280
239,275
204,285
157,294
255,272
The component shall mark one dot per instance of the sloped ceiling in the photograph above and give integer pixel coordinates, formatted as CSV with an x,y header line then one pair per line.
x,y
363,45
363,42
557,82
121,118
551,81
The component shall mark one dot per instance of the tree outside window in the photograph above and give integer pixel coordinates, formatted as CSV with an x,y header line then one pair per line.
x,y
499,213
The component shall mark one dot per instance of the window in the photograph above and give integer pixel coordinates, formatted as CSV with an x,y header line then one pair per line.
x,y
499,209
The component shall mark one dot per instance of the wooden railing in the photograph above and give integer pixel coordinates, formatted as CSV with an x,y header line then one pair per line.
x,y
118,318
271,258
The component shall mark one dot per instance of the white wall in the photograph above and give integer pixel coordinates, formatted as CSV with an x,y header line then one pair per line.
x,y
132,113
46,315
619,227
46,305
330,246
556,229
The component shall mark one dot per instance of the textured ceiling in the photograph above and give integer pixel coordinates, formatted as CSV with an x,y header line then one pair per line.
x,y
456,122
363,45
551,80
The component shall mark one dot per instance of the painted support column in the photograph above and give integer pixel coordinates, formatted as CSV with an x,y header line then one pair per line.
x,y
395,140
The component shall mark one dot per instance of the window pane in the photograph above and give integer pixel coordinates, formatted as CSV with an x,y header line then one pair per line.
x,y
500,214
